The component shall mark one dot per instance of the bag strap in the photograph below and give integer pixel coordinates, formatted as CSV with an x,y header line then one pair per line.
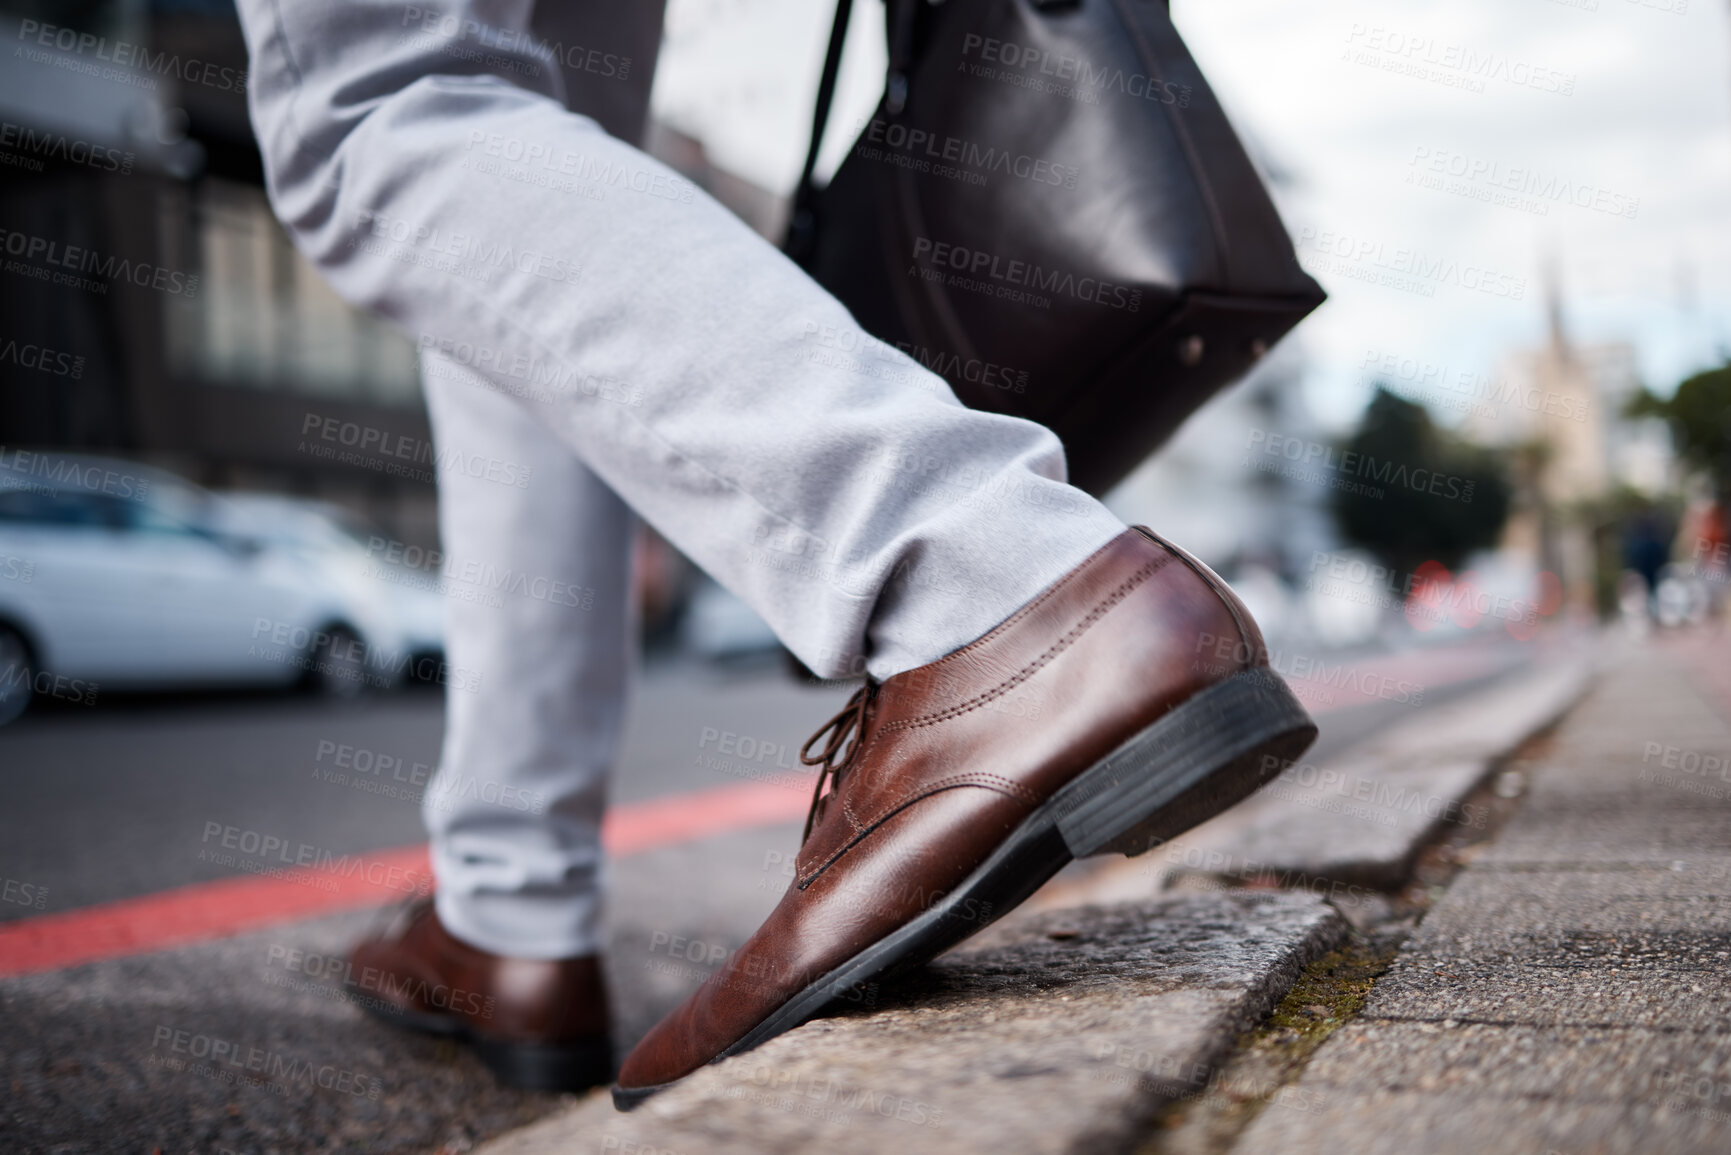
x,y
802,223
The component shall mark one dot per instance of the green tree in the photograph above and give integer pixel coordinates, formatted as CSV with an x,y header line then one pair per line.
x,y
1419,494
1699,416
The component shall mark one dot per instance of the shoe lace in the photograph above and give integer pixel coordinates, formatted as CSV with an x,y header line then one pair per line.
x,y
848,723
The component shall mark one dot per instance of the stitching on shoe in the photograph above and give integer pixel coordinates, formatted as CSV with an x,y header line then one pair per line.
x,y
990,781
1002,786
1050,592
973,777
1123,591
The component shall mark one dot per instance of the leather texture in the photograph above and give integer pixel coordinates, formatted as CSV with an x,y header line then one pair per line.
x,y
949,758
1060,221
431,978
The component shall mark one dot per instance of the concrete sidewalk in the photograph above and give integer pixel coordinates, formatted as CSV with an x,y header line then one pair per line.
x,y
1563,991
1064,1032
1572,990
1077,1026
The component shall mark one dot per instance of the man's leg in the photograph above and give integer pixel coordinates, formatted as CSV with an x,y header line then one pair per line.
x,y
422,159
537,572
538,641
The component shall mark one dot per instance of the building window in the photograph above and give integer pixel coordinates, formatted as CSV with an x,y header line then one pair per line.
x,y
264,319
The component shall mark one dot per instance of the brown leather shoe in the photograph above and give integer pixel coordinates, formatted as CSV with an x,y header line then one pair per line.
x,y
537,1024
1127,703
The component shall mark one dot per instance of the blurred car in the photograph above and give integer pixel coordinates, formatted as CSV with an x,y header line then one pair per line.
x,y
118,576
400,601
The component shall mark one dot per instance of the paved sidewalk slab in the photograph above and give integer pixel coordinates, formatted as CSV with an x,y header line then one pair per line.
x,y
1571,992
1505,911
1617,989
1493,1062
1067,1031
1657,836
1381,1123
1361,819
1427,1087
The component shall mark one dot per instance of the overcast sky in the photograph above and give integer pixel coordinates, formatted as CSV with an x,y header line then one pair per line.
x,y
1627,102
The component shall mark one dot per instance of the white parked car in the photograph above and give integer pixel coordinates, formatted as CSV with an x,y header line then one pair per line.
x,y
401,603
119,576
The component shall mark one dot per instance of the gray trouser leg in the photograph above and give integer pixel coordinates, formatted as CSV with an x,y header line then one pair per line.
x,y
538,631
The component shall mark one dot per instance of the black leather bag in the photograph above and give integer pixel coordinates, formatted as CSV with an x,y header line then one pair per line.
x,y
1050,210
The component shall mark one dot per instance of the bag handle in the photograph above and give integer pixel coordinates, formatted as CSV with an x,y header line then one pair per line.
x,y
900,17
802,222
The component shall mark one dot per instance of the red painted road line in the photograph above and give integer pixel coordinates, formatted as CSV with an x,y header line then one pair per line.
x,y
205,910
230,906
702,813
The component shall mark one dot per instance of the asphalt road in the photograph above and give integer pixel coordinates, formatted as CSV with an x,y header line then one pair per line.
x,y
113,801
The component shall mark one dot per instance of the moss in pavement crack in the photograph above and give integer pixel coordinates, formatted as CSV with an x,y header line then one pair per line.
x,y
1328,992
1267,1059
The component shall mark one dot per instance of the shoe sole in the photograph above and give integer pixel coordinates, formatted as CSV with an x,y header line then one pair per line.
x,y
547,1067
1199,759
